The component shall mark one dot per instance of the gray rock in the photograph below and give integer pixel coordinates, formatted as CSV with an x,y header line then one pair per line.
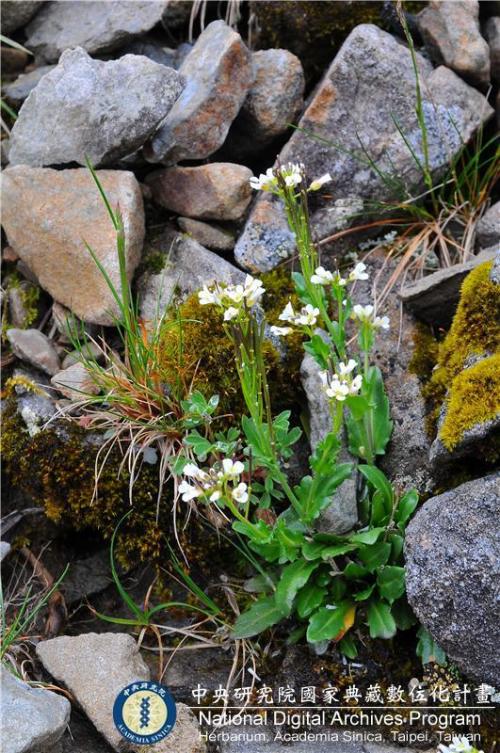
x,y
95,668
48,214
151,49
213,237
16,13
75,382
35,348
20,313
33,719
19,89
188,267
217,191
91,350
452,570
87,577
35,409
4,549
488,228
272,104
492,34
342,514
450,30
218,74
92,109
434,298
357,104
107,26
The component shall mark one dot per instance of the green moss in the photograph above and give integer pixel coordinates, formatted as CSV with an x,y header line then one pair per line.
x,y
30,297
425,352
56,468
473,399
474,334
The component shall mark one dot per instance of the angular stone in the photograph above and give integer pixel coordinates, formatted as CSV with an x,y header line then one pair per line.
x,y
356,105
188,267
33,719
450,29
488,228
95,668
218,74
452,554
19,89
213,237
272,104
47,216
217,191
434,298
35,348
75,382
17,13
90,350
35,409
92,109
107,26
5,548
492,34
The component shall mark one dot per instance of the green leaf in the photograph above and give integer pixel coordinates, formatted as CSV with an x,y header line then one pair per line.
x,y
353,571
365,593
397,543
293,578
375,555
391,582
358,405
381,413
309,599
258,533
403,614
406,507
261,615
428,649
380,515
378,481
380,620
337,550
326,623
347,646
200,444
319,350
366,537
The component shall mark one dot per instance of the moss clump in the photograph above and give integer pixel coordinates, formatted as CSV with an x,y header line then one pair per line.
x,y
30,298
425,352
473,399
474,336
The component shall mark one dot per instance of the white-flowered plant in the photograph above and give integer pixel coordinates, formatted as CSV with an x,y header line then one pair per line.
x,y
246,480
459,745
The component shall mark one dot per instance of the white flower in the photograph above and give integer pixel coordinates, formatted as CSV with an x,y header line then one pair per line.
x,y
265,182
381,322
240,494
355,385
319,182
363,313
358,273
322,277
207,297
280,330
232,469
346,368
458,745
192,470
215,495
292,173
230,313
288,314
253,290
337,390
189,492
308,316
235,293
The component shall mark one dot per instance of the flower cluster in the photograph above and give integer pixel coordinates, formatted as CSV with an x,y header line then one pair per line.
x,y
340,385
292,174
233,298
459,745
214,484
323,276
366,315
306,317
